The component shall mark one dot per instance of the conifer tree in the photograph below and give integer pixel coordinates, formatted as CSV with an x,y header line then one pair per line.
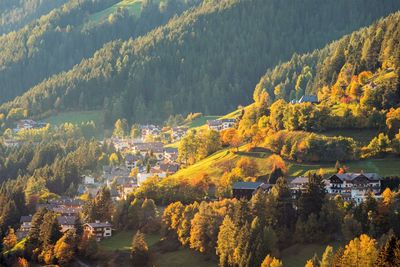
x,y
387,255
327,257
50,230
139,251
226,242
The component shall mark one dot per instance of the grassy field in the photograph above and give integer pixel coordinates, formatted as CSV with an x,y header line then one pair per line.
x,y
183,257
362,136
297,255
212,165
200,121
76,117
133,7
123,240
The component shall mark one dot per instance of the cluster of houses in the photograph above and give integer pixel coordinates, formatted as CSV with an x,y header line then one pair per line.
x,y
118,178
67,210
350,186
221,124
28,124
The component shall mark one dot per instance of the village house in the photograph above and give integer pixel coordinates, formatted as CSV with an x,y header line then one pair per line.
x,y
170,154
26,223
169,168
28,124
247,189
177,133
99,230
354,186
157,148
66,222
152,130
131,161
221,124
125,190
88,180
306,99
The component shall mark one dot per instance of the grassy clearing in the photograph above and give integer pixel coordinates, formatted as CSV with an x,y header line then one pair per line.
x,y
200,121
183,257
212,165
123,240
132,6
297,255
76,117
363,136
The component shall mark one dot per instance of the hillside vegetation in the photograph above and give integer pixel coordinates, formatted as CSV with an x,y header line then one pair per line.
x,y
216,51
14,14
68,34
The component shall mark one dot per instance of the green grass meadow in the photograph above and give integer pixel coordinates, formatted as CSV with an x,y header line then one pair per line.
x,y
200,121
183,257
76,117
133,7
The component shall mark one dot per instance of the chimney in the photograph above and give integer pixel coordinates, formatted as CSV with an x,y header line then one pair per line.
x,y
97,221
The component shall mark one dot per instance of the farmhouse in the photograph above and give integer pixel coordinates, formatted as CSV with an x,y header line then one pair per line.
x,y
247,189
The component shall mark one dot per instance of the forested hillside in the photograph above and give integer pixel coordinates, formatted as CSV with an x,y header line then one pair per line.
x,y
365,59
217,51
16,13
66,35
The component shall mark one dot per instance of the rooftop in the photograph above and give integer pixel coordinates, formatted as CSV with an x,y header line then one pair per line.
x,y
247,185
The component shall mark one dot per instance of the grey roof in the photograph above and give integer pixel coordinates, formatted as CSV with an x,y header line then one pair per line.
x,y
246,185
299,180
99,224
214,122
170,150
309,99
66,220
169,167
351,176
229,120
26,218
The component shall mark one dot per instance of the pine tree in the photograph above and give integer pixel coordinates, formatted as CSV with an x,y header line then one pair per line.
x,y
226,242
327,257
50,229
139,251
33,240
311,199
387,255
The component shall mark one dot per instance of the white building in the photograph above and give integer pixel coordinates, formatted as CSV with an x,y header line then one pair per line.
x,y
354,186
98,229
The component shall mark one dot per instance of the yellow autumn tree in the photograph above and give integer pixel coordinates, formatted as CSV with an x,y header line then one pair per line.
x,y
270,261
360,251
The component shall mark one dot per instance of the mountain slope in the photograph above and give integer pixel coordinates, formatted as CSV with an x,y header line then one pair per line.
x,y
16,13
62,38
216,51
375,50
